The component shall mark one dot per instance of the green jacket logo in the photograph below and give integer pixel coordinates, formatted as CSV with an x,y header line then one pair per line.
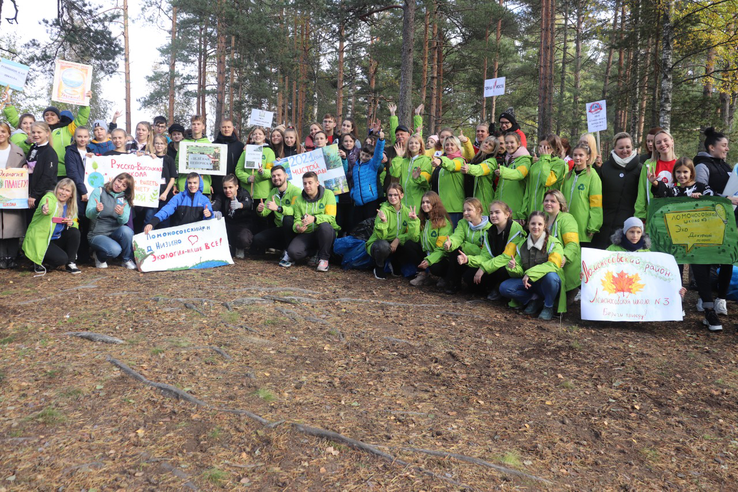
x,y
434,234
581,187
322,205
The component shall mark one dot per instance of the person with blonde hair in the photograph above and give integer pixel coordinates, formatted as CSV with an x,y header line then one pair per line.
x,y
661,165
582,189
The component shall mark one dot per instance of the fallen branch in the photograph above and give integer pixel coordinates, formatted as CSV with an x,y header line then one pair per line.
x,y
166,389
189,305
286,300
94,337
221,352
293,315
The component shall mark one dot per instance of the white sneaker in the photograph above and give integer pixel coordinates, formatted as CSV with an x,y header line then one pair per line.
x,y
98,263
420,279
322,266
721,307
240,254
578,297
129,265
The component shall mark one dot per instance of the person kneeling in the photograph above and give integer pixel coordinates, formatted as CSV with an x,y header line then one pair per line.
x,y
538,262
186,207
236,206
108,209
315,222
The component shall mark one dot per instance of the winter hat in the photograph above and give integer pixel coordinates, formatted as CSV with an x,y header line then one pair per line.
x,y
52,109
401,128
101,123
68,114
176,127
632,222
508,115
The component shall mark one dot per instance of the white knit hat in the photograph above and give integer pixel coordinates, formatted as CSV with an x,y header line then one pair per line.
x,y
632,222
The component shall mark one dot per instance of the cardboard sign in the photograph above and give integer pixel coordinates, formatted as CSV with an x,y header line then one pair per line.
x,y
14,188
325,162
731,188
252,156
146,173
261,118
695,231
494,87
597,116
203,158
13,74
623,286
201,244
72,81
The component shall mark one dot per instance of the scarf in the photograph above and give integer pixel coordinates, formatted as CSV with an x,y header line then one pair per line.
x,y
480,226
454,155
625,243
623,162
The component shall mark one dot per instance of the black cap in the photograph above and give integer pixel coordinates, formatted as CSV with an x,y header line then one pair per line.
x,y
176,127
401,128
53,109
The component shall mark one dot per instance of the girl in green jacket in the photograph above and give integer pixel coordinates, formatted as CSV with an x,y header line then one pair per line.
x,y
258,181
434,228
563,226
22,135
413,168
536,271
53,236
483,167
583,193
447,179
546,173
511,186
466,239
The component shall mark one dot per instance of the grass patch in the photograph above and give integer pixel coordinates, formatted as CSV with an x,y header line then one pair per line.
x,y
511,458
214,476
6,340
72,394
650,454
567,385
157,351
265,394
231,317
575,345
52,373
180,342
216,433
2,376
48,416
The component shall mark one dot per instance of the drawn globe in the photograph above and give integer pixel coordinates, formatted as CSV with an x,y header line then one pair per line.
x,y
96,180
72,78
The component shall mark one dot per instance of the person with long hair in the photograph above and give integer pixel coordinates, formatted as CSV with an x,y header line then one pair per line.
x,y
258,180
292,144
144,139
53,235
12,222
482,168
447,179
43,163
563,226
546,173
649,144
537,278
21,137
429,253
661,165
75,157
582,190
413,168
109,209
276,143
309,143
512,174
595,159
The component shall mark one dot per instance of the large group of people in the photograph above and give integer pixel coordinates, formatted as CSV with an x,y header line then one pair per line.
x,y
480,214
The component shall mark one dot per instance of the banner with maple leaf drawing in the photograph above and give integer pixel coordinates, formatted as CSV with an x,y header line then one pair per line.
x,y
622,286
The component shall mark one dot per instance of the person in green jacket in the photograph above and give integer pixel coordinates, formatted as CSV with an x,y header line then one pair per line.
x,y
466,239
258,180
498,248
536,271
62,128
315,222
447,179
413,168
660,164
545,173
392,229
512,182
394,122
22,135
53,236
280,202
582,190
198,136
434,228
563,226
483,166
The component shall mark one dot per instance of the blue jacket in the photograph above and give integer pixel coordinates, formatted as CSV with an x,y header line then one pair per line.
x,y
184,208
365,188
100,148
76,170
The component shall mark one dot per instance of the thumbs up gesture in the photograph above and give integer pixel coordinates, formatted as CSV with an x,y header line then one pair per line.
x,y
260,206
205,212
381,215
235,204
45,207
462,259
99,206
273,206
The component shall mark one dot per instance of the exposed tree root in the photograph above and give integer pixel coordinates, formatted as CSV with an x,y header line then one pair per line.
x,y
94,337
166,389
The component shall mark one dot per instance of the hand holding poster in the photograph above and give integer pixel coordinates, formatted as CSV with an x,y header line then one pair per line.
x,y
252,156
695,231
146,173
72,81
14,188
622,286
494,87
201,244
13,74
203,158
597,116
325,162
261,118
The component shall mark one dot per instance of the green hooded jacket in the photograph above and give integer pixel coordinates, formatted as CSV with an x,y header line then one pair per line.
x,y
583,193
322,207
566,230
491,263
511,186
545,174
398,225
38,235
432,239
207,181
451,184
484,181
414,188
469,240
645,195
286,202
555,253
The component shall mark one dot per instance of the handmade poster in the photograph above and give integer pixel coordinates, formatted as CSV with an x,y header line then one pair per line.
x,y
252,156
13,74
494,87
146,173
203,158
695,231
261,118
624,286
72,81
14,188
201,244
325,162
731,188
597,116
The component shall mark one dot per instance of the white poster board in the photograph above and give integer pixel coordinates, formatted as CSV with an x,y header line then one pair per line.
x,y
259,117
623,286
201,244
13,74
494,87
203,158
14,188
72,81
597,116
731,188
252,156
146,173
325,162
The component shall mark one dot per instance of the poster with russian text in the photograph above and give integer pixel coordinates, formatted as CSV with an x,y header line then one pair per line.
x,y
198,245
325,162
597,116
14,188
624,286
202,158
146,173
72,81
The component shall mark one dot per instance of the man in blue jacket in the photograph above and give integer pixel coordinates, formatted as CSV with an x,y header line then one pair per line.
x,y
186,207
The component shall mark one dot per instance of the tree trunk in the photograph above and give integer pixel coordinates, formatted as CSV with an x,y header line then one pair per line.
x,y
371,114
439,92
405,106
656,63
636,71
424,78
172,65
434,74
498,35
667,55
127,65
204,78
230,78
220,62
339,88
610,52
562,83
545,83
619,118
484,74
305,46
644,89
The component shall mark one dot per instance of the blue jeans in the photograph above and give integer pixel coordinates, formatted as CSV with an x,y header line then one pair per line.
x,y
548,287
118,243
455,218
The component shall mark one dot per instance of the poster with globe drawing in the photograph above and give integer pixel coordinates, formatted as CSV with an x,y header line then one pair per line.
x,y
146,173
72,81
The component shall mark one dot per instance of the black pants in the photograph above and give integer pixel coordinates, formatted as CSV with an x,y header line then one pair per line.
x,y
83,253
274,237
704,286
413,253
239,236
63,250
381,250
366,211
345,213
308,242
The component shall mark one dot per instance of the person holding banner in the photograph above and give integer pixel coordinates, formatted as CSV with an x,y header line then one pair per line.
x,y
435,227
482,167
22,135
292,144
536,270
12,222
144,141
228,136
546,173
237,208
280,202
197,124
109,209
257,180
52,236
661,165
315,222
564,227
413,168
118,137
186,207
75,159
511,185
582,190
447,179
43,163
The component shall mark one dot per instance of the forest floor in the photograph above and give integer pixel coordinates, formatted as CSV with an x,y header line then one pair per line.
x,y
549,405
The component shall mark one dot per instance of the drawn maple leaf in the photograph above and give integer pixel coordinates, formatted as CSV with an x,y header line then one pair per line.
x,y
622,283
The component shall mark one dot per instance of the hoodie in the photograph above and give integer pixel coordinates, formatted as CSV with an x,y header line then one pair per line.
x,y
322,206
512,183
185,208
